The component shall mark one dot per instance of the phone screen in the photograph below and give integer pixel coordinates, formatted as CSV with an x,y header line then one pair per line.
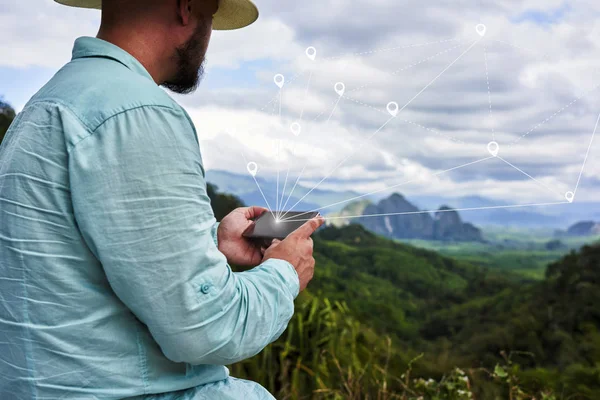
x,y
267,227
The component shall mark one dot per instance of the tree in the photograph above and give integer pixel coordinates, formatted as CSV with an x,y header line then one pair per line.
x,y
222,204
7,114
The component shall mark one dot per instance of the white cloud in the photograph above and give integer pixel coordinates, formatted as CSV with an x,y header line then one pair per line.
x,y
384,51
41,32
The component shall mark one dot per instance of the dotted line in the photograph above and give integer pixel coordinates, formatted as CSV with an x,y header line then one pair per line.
x,y
487,77
411,66
406,120
392,48
366,105
433,131
554,115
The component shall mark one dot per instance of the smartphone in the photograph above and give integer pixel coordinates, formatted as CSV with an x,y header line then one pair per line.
x,y
266,228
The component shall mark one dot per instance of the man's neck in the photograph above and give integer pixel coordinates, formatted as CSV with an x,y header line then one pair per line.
x,y
144,45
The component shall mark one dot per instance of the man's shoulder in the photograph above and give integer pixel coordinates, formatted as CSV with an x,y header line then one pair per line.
x,y
97,89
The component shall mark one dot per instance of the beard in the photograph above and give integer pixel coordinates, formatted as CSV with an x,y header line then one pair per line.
x,y
190,64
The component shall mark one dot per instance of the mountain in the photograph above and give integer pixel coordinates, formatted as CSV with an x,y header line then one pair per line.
x,y
584,228
344,216
410,223
477,210
448,226
482,212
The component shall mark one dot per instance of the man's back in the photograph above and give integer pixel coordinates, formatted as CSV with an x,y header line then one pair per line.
x,y
63,331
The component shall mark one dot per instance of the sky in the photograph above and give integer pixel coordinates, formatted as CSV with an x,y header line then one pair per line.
x,y
529,82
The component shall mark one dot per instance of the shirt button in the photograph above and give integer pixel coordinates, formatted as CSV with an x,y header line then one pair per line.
x,y
205,288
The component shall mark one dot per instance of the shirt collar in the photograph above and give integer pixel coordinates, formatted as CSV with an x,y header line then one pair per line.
x,y
86,46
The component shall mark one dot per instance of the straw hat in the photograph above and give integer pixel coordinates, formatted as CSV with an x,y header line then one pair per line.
x,y
232,14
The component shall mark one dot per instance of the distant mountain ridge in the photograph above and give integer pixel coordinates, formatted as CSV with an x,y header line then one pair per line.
x,y
481,211
583,228
400,219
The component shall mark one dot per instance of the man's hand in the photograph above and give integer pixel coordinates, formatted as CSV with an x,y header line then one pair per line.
x,y
297,249
238,249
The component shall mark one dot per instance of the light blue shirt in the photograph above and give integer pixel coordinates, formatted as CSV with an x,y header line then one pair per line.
x,y
111,282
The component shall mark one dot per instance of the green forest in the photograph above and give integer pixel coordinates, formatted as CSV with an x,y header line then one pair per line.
x,y
385,320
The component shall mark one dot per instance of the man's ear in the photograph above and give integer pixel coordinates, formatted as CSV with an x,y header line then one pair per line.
x,y
184,8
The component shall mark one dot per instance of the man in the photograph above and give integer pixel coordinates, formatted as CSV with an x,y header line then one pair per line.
x,y
114,280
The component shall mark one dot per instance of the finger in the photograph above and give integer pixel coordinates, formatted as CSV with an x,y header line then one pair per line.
x,y
309,227
275,242
254,212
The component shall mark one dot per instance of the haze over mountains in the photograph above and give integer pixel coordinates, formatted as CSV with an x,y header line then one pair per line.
x,y
476,210
583,228
411,223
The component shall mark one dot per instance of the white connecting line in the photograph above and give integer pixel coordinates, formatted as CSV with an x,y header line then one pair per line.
x,y
458,209
293,188
297,180
337,166
278,162
390,187
586,157
532,178
382,126
401,69
278,153
393,48
294,150
433,211
259,188
293,78
553,115
279,201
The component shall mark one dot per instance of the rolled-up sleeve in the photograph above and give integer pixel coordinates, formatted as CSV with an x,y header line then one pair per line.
x,y
139,196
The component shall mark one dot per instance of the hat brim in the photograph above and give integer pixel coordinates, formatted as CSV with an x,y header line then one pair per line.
x,y
232,14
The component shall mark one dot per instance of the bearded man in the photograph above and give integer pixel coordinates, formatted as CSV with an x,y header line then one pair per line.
x,y
114,275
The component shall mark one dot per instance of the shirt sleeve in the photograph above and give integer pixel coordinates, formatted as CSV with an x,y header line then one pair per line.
x,y
139,197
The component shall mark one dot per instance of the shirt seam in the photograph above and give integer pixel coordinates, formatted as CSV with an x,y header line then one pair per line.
x,y
66,106
30,354
143,358
87,126
91,132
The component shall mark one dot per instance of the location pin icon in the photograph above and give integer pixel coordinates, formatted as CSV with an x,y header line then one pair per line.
x,y
570,196
481,29
311,53
279,80
493,148
340,88
392,108
252,168
295,128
